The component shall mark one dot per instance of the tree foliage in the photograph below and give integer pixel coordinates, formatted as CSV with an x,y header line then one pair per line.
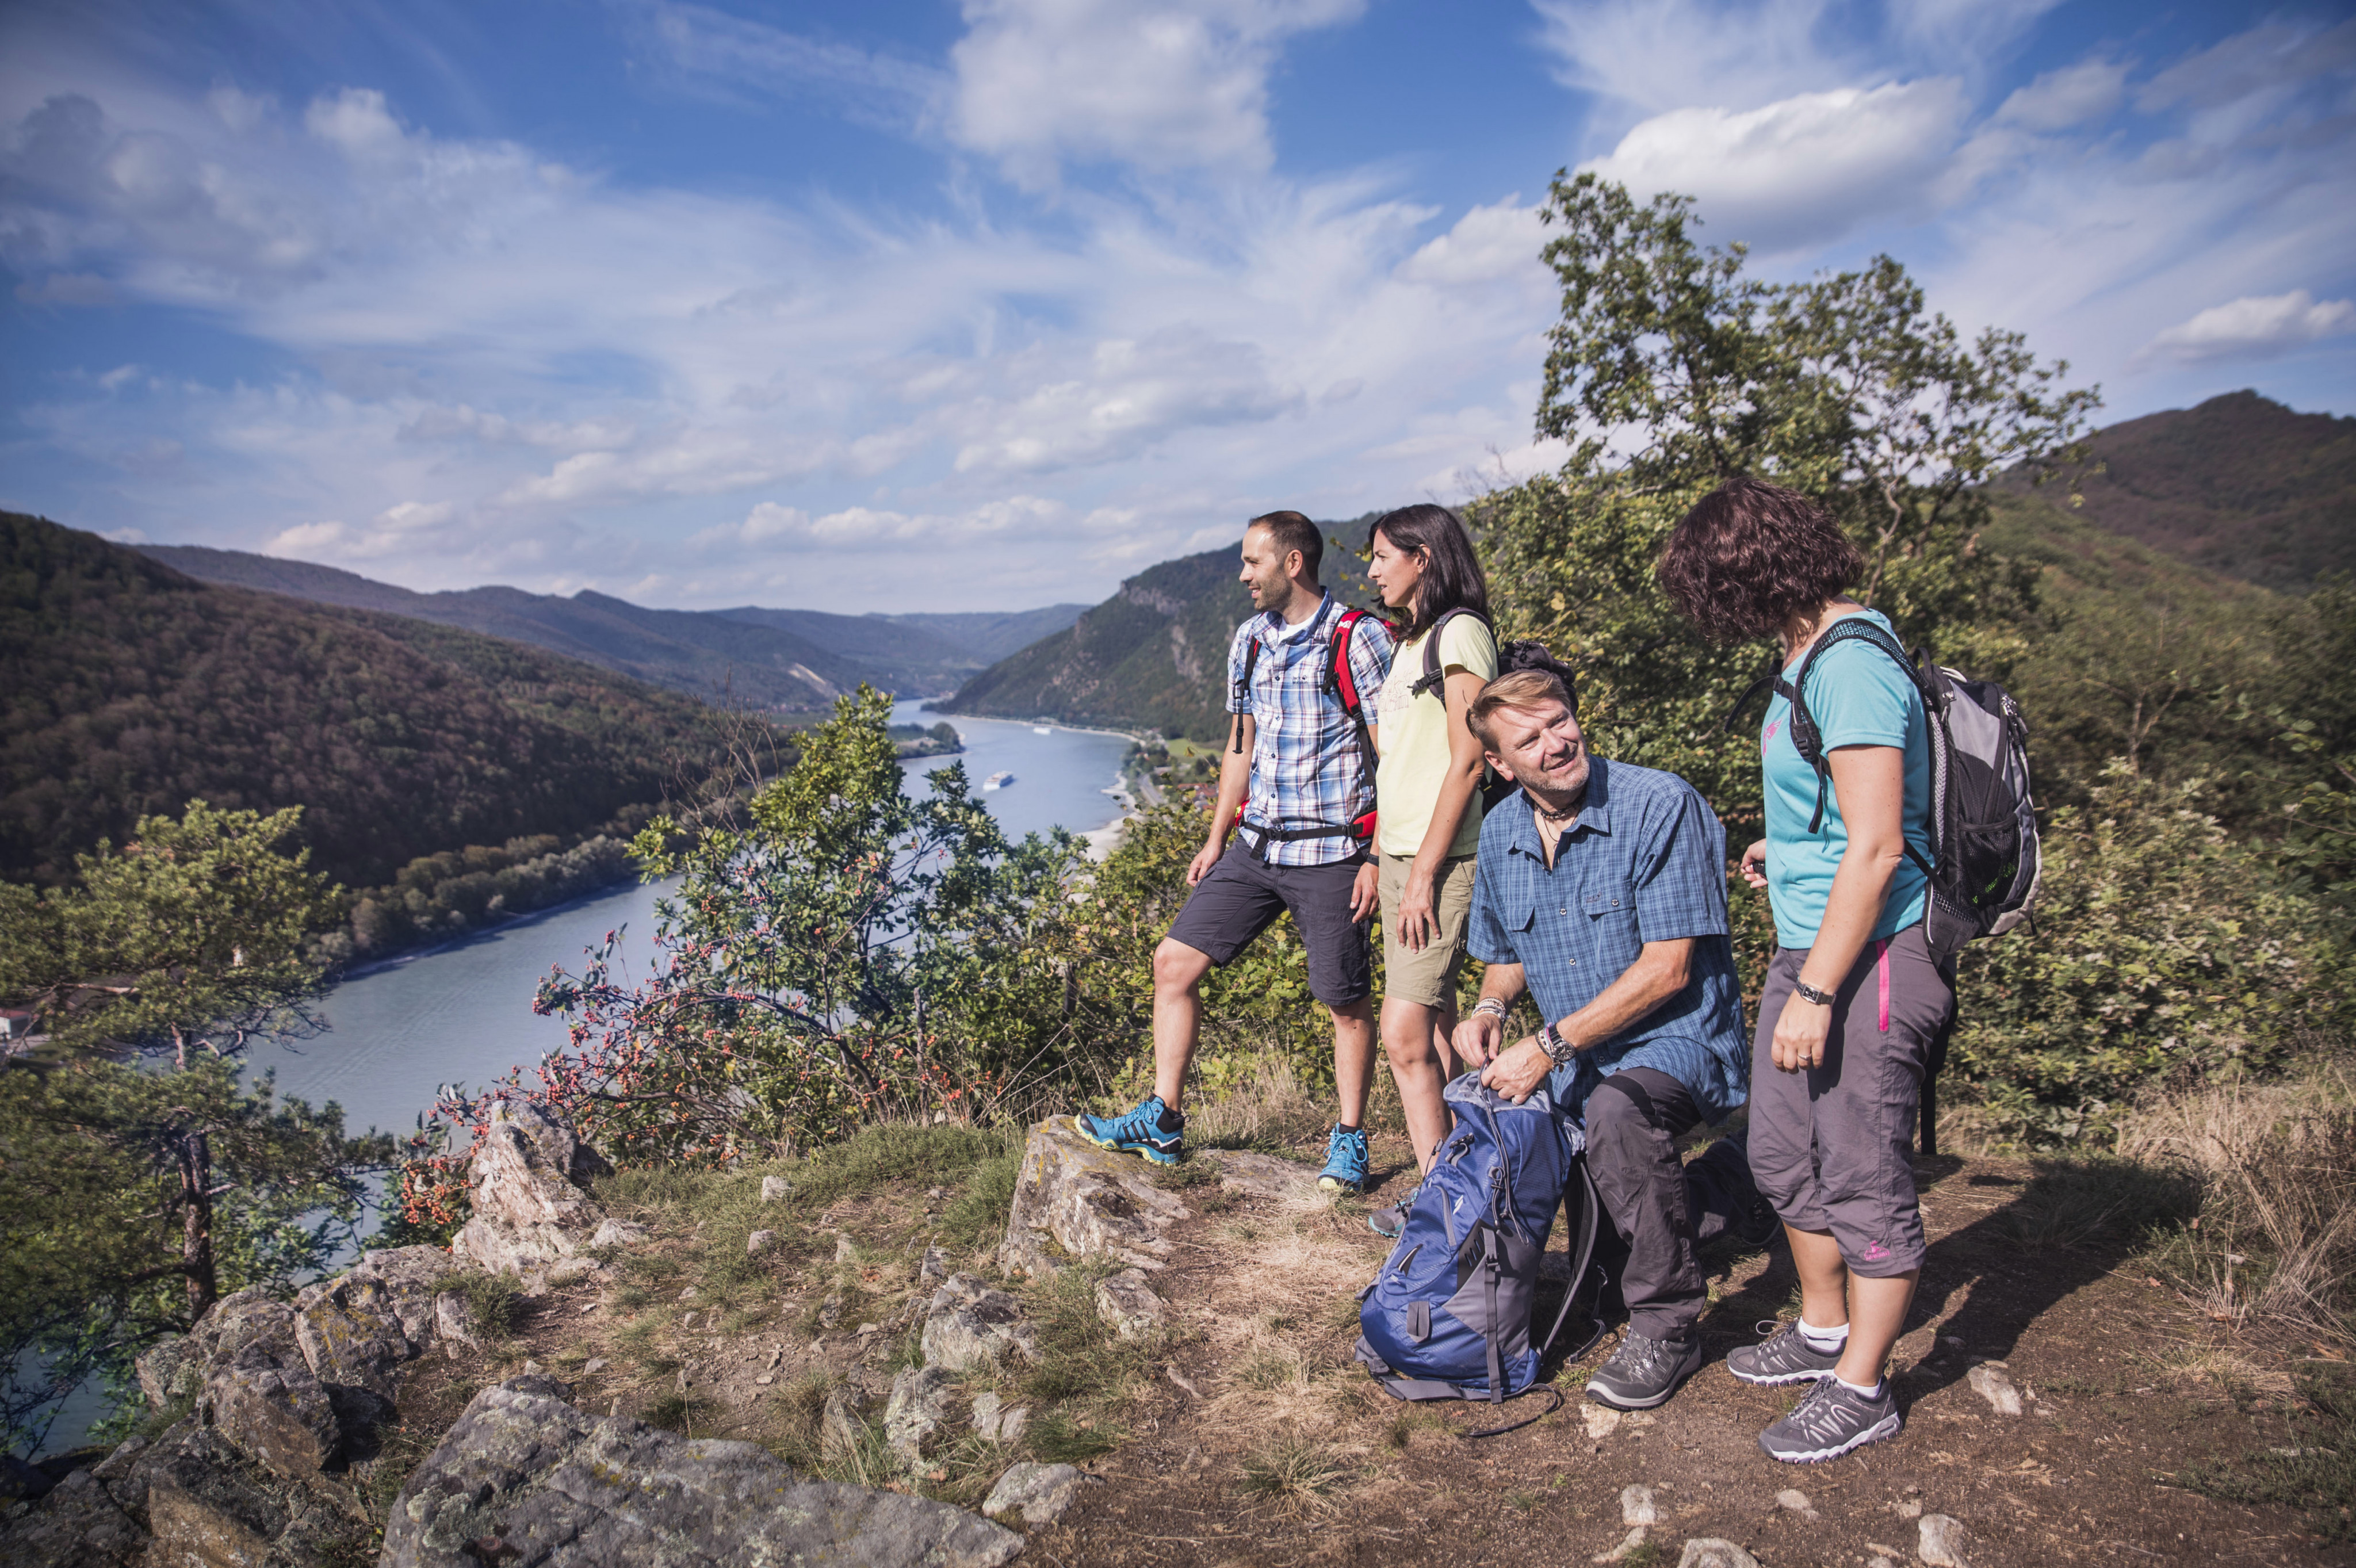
x,y
1672,368
131,1197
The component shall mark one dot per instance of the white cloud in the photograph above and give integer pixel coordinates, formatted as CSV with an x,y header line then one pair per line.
x,y
706,49
1659,55
2257,327
1802,170
1487,243
2072,96
1132,393
1163,84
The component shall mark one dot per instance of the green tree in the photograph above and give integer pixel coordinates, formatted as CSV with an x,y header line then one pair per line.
x,y
131,1197
813,968
1670,369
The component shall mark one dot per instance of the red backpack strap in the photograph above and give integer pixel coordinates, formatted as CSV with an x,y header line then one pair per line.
x,y
1340,681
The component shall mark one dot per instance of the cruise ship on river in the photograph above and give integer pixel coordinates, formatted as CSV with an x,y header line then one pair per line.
x,y
997,780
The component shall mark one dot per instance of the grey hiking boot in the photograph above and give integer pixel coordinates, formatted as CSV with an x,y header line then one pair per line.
x,y
1832,1419
1784,1358
1391,1219
1644,1372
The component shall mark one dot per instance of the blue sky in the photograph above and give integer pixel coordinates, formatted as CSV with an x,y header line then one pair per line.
x,y
931,305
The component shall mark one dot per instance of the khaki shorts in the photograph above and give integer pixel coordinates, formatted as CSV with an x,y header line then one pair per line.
x,y
1428,977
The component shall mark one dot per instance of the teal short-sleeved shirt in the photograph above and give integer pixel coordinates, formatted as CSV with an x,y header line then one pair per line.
x,y
1858,696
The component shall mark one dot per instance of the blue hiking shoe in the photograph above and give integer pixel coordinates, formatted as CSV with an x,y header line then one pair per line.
x,y
1346,1161
1138,1132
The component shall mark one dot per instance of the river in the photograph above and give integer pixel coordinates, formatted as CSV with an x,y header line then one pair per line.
x,y
463,1012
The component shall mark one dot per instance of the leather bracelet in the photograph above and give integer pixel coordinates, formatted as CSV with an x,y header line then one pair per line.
x,y
1557,1050
1807,992
1494,1006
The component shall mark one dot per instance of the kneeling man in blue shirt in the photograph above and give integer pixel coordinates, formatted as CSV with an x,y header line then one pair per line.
x,y
1601,892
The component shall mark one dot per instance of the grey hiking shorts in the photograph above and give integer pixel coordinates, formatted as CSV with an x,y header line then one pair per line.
x,y
1833,1147
1243,895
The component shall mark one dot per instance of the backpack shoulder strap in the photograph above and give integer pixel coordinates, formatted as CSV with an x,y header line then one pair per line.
x,y
1432,678
1805,732
1580,1203
1243,690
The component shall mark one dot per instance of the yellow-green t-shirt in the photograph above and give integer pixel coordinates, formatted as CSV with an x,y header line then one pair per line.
x,y
1412,736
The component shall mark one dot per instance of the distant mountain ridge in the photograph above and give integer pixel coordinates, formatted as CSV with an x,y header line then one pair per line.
x,y
787,659
2239,484
133,688
1153,656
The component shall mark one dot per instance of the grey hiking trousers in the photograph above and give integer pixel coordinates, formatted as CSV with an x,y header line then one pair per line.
x,y
1633,1121
1833,1147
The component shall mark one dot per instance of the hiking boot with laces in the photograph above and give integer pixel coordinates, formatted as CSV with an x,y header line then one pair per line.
x,y
1833,1420
1391,1219
1786,1357
1138,1132
1644,1372
1345,1161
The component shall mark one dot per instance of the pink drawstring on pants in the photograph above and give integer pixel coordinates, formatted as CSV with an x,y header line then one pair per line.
x,y
1881,964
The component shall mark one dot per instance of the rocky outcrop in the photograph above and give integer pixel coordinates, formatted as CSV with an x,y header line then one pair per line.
x,y
969,1326
1074,1200
528,1180
1037,1494
916,1412
523,1476
1126,1302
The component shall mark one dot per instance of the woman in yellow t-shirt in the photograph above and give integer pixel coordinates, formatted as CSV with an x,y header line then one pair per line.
x,y
1428,792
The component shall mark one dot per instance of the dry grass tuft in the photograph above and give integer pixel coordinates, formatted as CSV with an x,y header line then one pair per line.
x,y
1296,1474
2274,1248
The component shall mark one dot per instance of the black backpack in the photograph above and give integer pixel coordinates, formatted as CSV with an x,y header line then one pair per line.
x,y
1495,789
1984,863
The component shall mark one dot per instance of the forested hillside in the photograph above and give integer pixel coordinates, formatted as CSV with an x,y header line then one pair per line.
x,y
1154,655
2239,484
130,688
785,660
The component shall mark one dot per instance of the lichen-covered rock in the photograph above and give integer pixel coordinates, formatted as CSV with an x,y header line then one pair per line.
x,y
170,1370
1125,1301
263,1399
1037,1494
528,1178
970,1326
526,1478
1085,1201
76,1524
917,1409
998,1421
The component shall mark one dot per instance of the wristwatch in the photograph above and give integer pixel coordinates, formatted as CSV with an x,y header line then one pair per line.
x,y
1559,1050
1807,992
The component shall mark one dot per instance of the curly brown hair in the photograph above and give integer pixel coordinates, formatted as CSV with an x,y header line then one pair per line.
x,y
1751,555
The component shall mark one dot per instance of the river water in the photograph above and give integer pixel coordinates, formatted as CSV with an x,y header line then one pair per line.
x,y
462,1013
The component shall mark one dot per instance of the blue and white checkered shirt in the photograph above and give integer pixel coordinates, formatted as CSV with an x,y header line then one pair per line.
x,y
1308,769
1644,861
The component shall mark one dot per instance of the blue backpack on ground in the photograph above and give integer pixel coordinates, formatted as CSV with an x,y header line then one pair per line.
x,y
1449,1315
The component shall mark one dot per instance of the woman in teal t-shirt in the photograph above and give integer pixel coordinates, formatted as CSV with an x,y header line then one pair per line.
x,y
1853,1000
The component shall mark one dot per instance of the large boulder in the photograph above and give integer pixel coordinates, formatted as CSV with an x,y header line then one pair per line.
x,y
525,1478
1074,1199
528,1180
265,1401
76,1524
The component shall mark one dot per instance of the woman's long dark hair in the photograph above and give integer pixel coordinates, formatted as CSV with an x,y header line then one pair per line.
x,y
1452,578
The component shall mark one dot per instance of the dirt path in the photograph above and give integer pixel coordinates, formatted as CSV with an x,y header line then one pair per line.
x,y
2119,1389
1245,1435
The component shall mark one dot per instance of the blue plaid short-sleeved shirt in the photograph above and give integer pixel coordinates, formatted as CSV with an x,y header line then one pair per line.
x,y
1644,861
1307,766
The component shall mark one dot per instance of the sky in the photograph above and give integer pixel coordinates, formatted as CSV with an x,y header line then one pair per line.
x,y
914,305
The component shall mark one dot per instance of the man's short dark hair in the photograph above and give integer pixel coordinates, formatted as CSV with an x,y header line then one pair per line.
x,y
1289,531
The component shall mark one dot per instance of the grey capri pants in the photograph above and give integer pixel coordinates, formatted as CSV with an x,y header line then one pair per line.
x,y
1832,1148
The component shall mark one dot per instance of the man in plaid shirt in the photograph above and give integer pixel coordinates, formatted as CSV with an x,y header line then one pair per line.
x,y
1307,766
